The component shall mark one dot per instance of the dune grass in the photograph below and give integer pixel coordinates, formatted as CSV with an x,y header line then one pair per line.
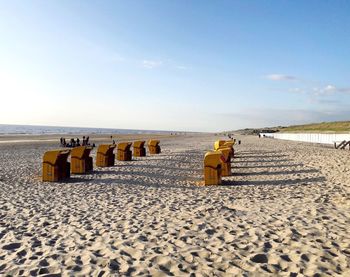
x,y
324,127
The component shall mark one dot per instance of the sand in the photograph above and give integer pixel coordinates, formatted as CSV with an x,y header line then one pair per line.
x,y
284,211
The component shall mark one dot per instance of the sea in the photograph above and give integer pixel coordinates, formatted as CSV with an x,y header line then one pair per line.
x,y
6,129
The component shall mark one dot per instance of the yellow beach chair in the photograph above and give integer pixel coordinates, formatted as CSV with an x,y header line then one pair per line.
x,y
212,168
81,162
55,165
139,148
105,156
124,152
226,161
153,146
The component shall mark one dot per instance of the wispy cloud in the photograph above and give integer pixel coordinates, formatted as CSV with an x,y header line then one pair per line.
x,y
281,77
329,90
344,90
262,117
165,63
150,64
317,92
328,101
297,90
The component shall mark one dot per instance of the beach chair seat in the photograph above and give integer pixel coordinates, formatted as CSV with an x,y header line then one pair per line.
x,y
153,146
124,152
212,168
226,161
105,156
55,165
139,148
81,162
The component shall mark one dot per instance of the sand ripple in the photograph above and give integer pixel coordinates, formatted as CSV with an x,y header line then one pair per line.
x,y
285,211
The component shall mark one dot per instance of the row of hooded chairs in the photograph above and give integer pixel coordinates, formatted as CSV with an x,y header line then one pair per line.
x,y
217,163
56,166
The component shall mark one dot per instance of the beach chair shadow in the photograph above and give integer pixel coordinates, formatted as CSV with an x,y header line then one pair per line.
x,y
269,173
281,182
266,166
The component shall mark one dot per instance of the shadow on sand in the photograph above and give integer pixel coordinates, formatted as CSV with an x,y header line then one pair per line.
x,y
268,166
261,161
284,172
281,167
281,182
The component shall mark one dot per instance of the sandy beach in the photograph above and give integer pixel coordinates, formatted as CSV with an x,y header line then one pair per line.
x,y
285,211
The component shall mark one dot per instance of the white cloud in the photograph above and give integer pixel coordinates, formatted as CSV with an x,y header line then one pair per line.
x,y
320,91
151,64
280,77
328,90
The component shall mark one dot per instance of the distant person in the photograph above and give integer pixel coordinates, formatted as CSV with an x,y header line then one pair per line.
x,y
78,142
72,142
63,142
84,142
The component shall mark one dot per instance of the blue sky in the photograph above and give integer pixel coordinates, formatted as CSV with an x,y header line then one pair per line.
x,y
174,65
